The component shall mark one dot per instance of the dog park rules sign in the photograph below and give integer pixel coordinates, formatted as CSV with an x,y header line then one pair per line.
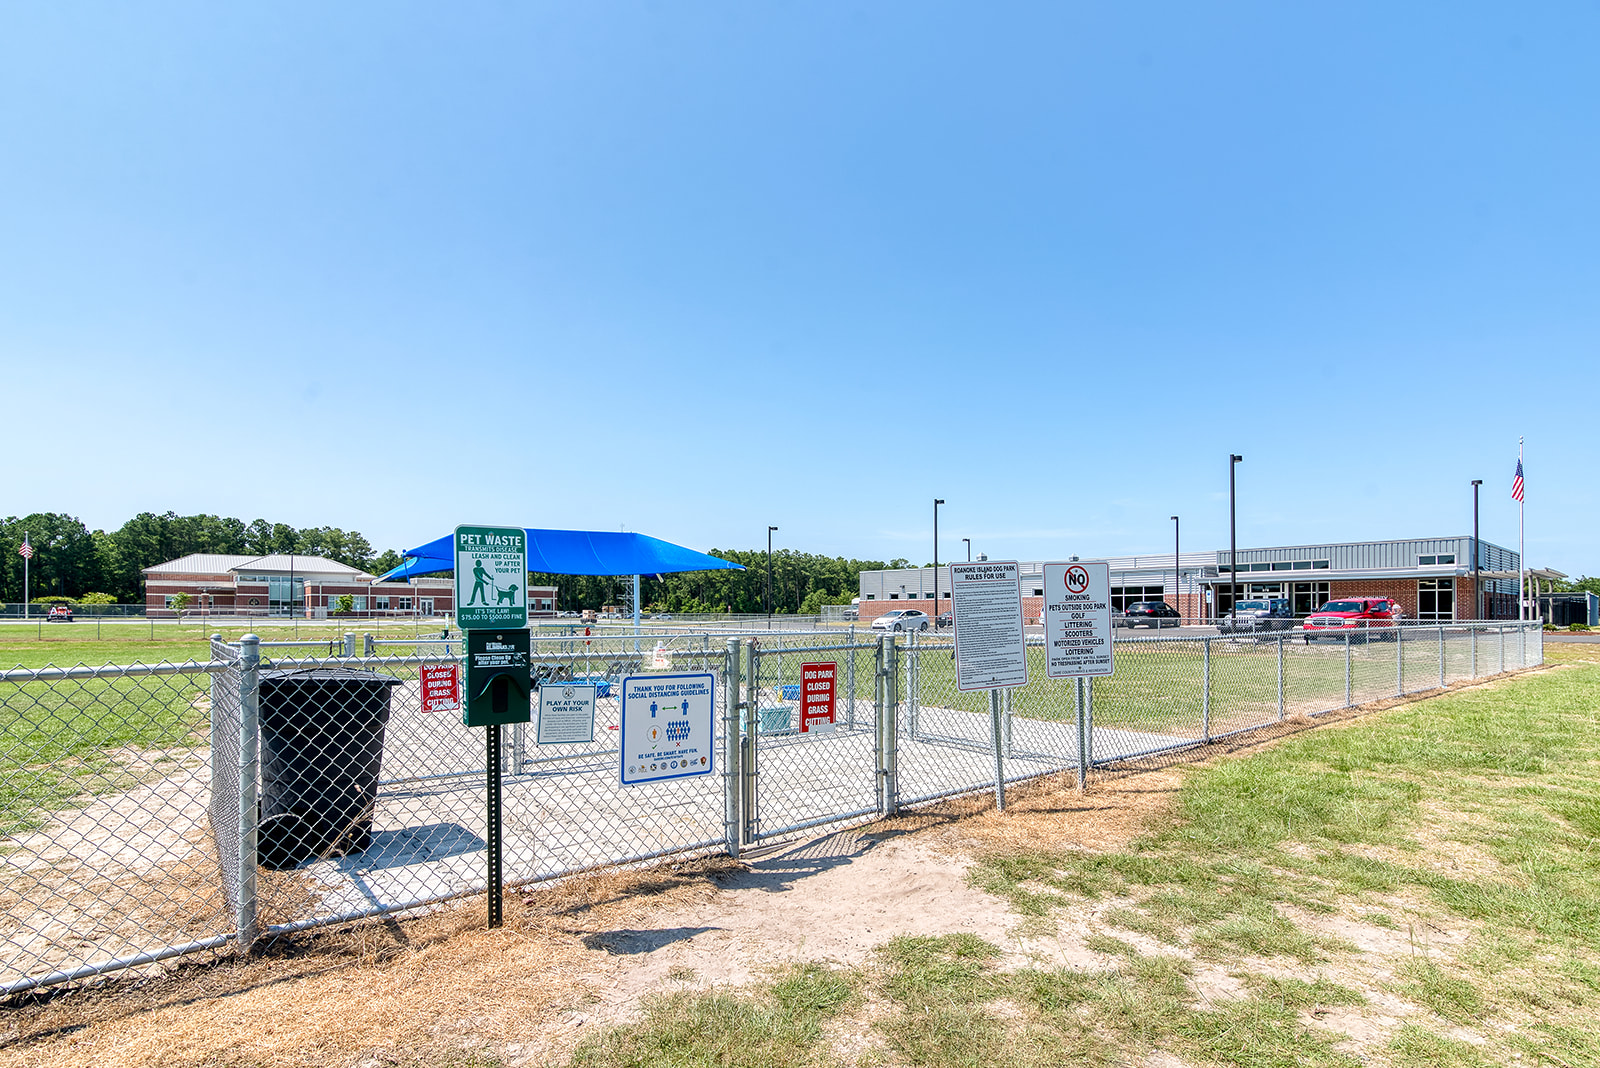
x,y
491,578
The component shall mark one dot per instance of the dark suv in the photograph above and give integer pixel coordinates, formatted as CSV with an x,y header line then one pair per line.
x,y
1151,614
1271,613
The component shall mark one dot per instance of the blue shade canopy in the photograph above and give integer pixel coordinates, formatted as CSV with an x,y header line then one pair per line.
x,y
575,552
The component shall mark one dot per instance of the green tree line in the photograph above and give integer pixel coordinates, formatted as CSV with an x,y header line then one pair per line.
x,y
71,560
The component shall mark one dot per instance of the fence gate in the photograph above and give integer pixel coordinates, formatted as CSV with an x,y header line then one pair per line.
x,y
789,780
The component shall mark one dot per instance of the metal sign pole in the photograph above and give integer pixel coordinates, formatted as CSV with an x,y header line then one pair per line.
x,y
491,605
999,761
1083,749
496,872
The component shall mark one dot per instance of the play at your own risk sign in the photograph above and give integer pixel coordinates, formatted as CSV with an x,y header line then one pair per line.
x,y
491,578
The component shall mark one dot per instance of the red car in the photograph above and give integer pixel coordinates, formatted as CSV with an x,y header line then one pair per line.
x,y
1354,616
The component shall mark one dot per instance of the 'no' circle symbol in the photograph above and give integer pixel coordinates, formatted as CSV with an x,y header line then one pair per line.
x,y
1077,579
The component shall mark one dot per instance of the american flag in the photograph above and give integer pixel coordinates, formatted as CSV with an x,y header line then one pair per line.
x,y
1516,483
26,552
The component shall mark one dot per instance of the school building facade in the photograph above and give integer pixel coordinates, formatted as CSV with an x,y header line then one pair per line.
x,y
1431,578
291,585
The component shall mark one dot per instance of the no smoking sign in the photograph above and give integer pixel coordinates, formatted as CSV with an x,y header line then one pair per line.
x,y
1077,578
1077,620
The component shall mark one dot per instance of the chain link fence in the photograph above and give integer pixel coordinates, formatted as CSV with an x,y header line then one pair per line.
x,y
153,811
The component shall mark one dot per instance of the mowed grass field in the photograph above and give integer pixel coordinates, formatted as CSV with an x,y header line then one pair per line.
x,y
1160,685
1417,888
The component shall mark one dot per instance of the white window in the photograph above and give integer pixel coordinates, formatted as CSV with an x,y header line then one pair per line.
x,y
380,602
358,604
405,604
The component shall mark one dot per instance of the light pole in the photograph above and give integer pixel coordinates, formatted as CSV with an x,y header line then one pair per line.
x,y
769,576
937,501
1177,576
1477,590
969,549
1233,535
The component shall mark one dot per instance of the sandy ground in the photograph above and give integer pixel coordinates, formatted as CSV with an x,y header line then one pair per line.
x,y
579,955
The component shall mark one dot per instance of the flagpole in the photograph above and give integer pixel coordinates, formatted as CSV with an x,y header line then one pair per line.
x,y
1522,543
27,556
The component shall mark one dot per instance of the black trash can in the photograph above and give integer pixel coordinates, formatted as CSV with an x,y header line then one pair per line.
x,y
321,747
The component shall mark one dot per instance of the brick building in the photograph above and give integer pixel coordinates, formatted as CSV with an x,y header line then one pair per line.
x,y
293,585
1431,578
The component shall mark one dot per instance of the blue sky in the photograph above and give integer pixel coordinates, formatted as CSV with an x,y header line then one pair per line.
x,y
694,268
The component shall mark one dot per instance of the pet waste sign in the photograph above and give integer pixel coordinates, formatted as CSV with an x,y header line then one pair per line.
x,y
491,578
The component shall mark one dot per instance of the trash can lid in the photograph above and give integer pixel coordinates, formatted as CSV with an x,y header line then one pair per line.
x,y
281,675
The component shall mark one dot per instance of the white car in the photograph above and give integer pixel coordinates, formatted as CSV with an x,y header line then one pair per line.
x,y
902,619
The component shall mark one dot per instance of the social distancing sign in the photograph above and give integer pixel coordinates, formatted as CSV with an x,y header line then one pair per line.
x,y
667,727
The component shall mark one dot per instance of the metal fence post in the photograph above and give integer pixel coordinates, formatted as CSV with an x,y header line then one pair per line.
x,y
249,769
732,772
1347,691
879,699
913,683
1280,678
366,645
1502,631
1472,635
750,798
349,643
1399,663
1441,657
1205,696
889,727
850,685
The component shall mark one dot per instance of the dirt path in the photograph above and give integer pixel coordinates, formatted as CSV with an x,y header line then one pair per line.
x,y
578,956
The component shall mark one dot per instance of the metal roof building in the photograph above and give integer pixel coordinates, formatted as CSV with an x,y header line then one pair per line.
x,y
1430,577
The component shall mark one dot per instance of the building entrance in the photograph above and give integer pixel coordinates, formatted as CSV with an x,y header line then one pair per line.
x,y
285,596
1309,596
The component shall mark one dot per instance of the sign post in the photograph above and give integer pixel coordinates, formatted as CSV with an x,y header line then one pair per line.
x,y
991,645
1077,638
492,611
